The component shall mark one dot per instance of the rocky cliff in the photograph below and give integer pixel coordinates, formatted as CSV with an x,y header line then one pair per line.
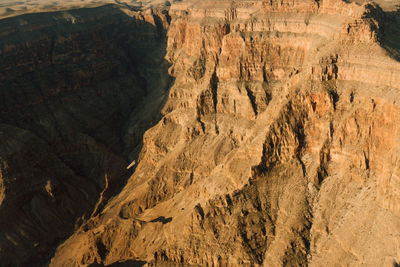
x,y
277,144
71,84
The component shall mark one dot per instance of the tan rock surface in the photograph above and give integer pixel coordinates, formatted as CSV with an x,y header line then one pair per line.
x,y
277,145
11,8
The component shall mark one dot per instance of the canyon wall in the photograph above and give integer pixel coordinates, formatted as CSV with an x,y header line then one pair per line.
x,y
276,145
71,84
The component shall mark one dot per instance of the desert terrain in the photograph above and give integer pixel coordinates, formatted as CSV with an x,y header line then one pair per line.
x,y
10,8
200,133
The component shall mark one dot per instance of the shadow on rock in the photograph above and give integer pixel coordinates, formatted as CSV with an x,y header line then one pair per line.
x,y
75,91
162,219
391,33
131,263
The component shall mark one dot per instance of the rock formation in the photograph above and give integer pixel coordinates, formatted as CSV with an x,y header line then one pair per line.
x,y
71,85
277,144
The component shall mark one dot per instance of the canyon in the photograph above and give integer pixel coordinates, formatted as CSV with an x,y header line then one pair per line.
x,y
211,133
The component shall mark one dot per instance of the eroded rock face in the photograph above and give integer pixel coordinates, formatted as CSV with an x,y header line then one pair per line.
x,y
71,84
277,146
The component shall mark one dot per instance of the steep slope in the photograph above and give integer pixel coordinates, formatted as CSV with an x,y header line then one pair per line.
x,y
278,144
71,84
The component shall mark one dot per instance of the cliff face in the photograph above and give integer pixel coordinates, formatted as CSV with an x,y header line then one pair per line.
x,y
277,146
71,85
277,143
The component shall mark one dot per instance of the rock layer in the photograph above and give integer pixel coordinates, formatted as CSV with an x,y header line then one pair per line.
x,y
72,83
277,144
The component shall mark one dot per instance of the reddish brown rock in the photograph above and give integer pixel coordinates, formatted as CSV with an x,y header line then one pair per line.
x,y
277,144
274,147
69,90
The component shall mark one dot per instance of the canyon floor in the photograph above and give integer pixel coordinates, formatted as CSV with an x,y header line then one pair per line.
x,y
200,133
